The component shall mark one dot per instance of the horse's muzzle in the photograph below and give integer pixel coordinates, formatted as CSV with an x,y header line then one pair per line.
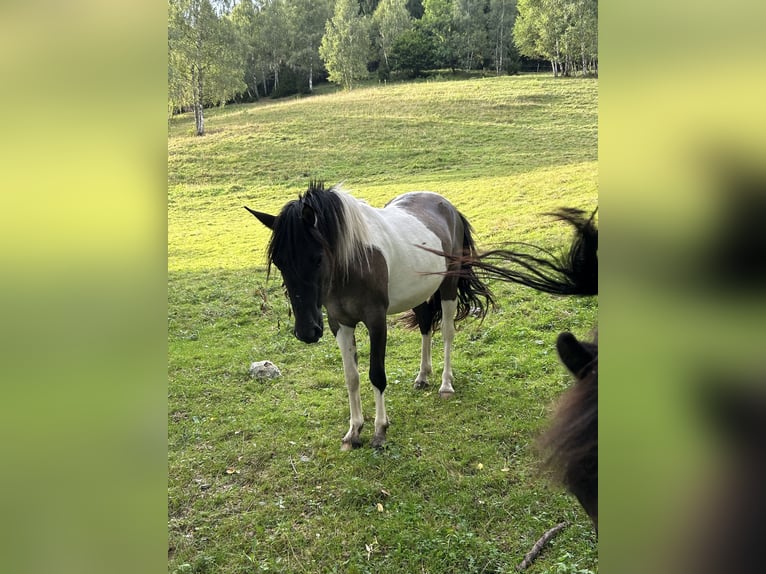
x,y
310,335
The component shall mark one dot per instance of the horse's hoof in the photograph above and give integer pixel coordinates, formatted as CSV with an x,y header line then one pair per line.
x,y
446,395
378,442
350,445
420,384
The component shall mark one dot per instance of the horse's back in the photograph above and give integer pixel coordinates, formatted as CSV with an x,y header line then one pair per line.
x,y
437,214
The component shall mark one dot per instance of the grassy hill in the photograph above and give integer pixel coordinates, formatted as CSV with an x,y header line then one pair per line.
x,y
257,481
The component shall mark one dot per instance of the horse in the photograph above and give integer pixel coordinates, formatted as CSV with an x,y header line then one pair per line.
x,y
570,444
363,263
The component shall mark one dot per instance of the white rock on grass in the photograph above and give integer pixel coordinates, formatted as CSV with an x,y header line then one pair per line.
x,y
264,370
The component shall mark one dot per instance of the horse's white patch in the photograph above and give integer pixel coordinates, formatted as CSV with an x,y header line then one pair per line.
x,y
356,233
413,273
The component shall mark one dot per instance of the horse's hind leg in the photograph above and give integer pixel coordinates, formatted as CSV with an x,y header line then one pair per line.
x,y
347,344
424,316
449,308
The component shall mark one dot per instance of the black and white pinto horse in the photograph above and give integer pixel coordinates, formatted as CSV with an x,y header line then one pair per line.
x,y
362,263
570,444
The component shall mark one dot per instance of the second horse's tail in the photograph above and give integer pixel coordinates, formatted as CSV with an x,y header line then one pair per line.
x,y
573,272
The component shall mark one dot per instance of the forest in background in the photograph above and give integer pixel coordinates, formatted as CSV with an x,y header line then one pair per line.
x,y
227,50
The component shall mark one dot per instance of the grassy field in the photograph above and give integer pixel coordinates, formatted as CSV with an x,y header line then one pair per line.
x,y
257,481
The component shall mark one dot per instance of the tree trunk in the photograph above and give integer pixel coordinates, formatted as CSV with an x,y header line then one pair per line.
x,y
199,119
311,78
499,49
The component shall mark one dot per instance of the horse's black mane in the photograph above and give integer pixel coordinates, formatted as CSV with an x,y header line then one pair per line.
x,y
291,233
329,217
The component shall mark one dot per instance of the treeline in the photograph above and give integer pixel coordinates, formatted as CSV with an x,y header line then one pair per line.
x,y
241,50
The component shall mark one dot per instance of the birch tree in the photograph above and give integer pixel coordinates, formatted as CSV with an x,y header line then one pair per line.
x,y
391,20
500,29
308,19
346,44
470,39
204,58
558,30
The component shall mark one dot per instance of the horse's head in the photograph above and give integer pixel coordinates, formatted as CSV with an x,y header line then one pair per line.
x,y
298,251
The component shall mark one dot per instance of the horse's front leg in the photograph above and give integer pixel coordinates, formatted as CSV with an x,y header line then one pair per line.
x,y
377,329
347,344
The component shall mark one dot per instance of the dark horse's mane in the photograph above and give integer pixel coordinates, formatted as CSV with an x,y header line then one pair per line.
x,y
341,241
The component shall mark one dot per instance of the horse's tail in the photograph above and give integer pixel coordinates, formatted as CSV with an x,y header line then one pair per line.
x,y
474,297
573,272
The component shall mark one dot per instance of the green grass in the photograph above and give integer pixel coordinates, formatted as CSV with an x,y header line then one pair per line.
x,y
257,481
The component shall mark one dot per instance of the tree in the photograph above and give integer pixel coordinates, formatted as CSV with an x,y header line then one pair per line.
x,y
558,30
391,20
437,22
413,51
583,34
469,19
346,44
274,36
204,58
308,19
500,33
244,18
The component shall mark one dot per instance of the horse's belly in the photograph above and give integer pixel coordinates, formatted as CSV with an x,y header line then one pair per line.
x,y
410,290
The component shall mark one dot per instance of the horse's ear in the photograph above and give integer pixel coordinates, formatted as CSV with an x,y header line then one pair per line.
x,y
574,354
309,216
265,218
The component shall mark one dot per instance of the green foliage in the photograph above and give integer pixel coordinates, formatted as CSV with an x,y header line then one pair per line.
x,y
437,24
307,27
245,21
205,65
568,564
500,21
563,31
391,19
345,46
256,478
413,52
470,20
